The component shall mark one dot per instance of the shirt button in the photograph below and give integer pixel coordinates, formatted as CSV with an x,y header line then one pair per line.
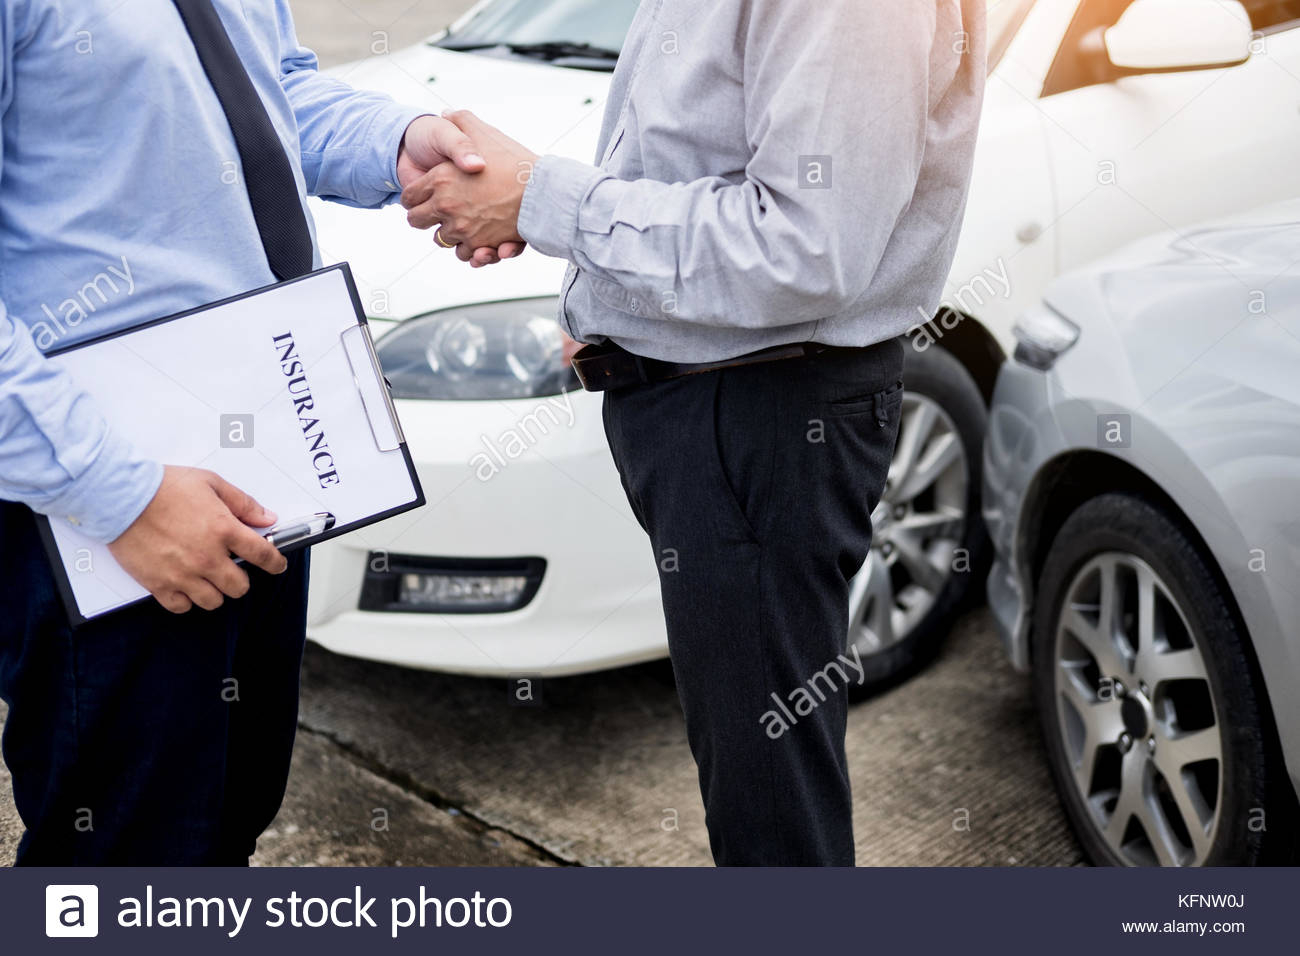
x,y
636,306
390,184
74,521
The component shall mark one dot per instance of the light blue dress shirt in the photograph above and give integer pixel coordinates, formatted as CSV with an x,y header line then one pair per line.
x,y
121,200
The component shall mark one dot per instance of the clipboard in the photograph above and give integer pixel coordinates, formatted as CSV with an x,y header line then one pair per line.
x,y
278,390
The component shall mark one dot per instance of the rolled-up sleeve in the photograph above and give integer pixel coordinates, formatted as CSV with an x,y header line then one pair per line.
x,y
831,173
349,138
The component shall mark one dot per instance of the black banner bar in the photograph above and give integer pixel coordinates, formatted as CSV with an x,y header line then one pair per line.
x,y
632,911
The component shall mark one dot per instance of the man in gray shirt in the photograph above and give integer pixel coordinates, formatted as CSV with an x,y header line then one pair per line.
x,y
779,190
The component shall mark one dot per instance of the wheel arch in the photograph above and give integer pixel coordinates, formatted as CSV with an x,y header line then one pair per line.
x,y
1063,484
968,341
1072,478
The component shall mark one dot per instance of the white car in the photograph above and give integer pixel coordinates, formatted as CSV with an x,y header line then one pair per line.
x,y
1105,120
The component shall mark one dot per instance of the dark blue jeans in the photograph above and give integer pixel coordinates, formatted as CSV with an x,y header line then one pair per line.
x,y
145,738
756,485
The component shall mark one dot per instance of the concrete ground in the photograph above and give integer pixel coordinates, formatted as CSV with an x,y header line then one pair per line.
x,y
344,30
400,767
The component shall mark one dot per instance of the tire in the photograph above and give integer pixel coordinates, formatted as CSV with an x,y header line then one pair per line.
x,y
1170,709
900,610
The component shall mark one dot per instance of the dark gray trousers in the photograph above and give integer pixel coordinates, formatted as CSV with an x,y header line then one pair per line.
x,y
145,738
756,485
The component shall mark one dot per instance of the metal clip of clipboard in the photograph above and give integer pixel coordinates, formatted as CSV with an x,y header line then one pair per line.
x,y
359,347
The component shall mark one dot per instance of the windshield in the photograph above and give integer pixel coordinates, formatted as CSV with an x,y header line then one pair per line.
x,y
595,23
603,25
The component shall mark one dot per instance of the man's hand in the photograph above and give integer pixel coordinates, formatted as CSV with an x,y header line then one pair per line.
x,y
431,141
475,210
180,546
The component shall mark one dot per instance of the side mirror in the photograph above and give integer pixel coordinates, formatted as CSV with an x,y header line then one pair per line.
x,y
1170,35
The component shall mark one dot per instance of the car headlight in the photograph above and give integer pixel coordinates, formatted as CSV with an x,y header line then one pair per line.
x,y
1043,336
498,350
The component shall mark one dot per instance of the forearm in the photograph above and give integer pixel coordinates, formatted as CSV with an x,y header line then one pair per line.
x,y
58,455
350,139
717,253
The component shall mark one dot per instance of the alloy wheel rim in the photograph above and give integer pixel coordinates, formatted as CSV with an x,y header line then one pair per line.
x,y
1136,714
918,528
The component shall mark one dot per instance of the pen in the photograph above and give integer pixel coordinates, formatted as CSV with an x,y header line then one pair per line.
x,y
299,529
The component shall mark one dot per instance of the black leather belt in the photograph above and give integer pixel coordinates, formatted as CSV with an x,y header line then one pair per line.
x,y
605,367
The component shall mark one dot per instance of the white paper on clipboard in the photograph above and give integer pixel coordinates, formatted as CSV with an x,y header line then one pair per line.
x,y
278,391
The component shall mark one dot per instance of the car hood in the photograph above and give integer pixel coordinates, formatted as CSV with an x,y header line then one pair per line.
x,y
1189,272
401,272
1214,309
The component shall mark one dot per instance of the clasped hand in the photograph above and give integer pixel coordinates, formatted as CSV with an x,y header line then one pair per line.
x,y
475,207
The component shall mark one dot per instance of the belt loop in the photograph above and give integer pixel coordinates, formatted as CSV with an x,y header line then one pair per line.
x,y
640,369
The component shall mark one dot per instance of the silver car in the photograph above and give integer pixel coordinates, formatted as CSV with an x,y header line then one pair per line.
x,y
1142,489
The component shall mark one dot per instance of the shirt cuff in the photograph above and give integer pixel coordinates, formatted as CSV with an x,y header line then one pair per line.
x,y
107,497
556,191
390,130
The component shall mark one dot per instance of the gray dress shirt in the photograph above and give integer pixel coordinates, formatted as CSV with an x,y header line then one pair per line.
x,y
770,171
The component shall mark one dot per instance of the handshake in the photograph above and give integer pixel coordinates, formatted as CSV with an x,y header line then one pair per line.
x,y
467,178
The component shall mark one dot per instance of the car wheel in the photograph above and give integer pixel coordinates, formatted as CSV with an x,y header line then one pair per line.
x,y
930,548
1147,695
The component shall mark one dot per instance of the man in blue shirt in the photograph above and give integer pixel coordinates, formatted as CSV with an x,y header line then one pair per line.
x,y
137,179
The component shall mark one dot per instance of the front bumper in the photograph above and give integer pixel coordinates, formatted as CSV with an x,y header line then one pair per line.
x,y
558,499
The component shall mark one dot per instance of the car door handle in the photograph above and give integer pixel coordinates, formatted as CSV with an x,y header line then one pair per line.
x,y
1029,232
